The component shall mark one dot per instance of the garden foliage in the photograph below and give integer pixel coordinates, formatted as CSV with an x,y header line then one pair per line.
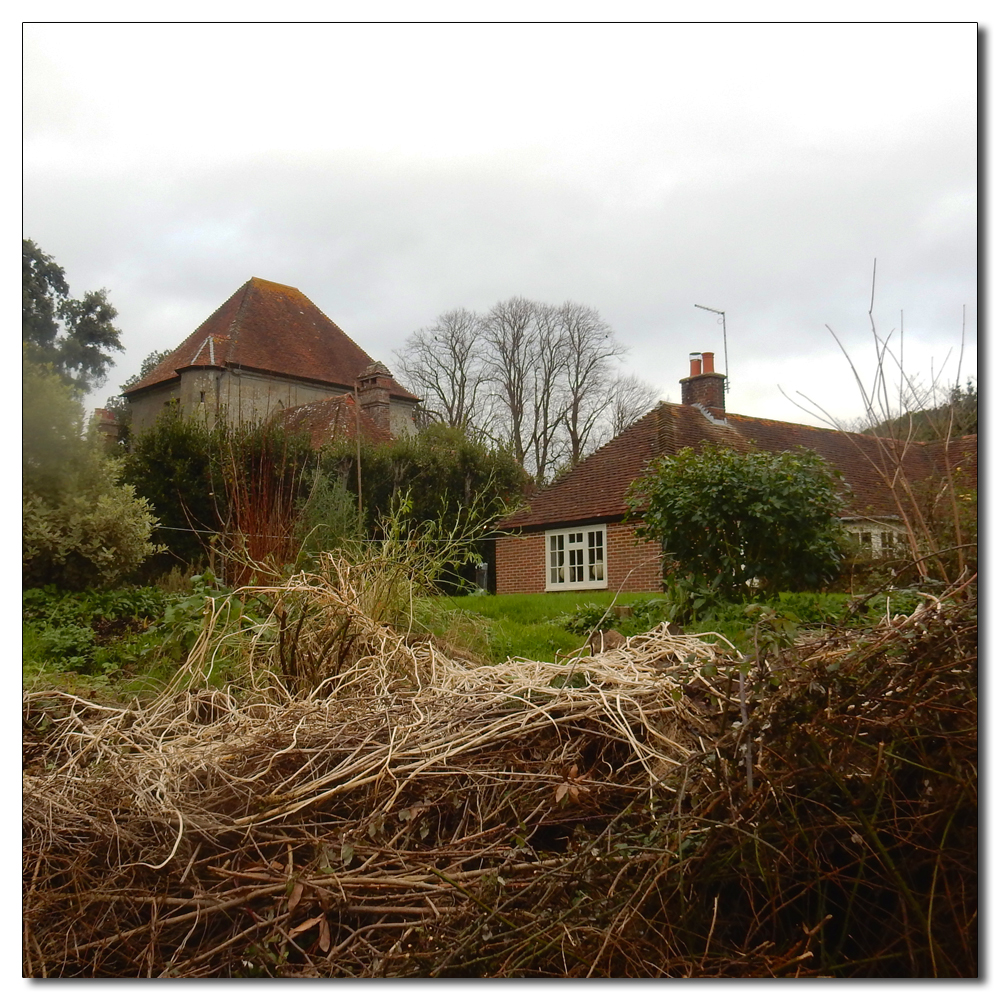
x,y
264,496
744,522
81,526
449,477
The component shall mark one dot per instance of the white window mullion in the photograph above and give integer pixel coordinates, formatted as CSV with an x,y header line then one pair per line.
x,y
575,558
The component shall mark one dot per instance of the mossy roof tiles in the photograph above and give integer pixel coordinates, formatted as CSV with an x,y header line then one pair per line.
x,y
595,489
274,329
334,418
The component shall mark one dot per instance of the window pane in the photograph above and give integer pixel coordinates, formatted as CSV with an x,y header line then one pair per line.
x,y
595,555
575,559
556,558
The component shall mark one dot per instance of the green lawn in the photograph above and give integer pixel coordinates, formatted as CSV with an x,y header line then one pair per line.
x,y
521,624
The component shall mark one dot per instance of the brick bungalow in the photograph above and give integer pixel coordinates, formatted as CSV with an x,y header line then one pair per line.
x,y
268,349
573,534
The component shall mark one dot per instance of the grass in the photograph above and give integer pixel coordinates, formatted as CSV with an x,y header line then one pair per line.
x,y
522,624
65,642
529,625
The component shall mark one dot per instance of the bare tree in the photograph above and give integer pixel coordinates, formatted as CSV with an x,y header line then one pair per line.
x,y
631,398
508,335
444,364
548,400
539,380
591,351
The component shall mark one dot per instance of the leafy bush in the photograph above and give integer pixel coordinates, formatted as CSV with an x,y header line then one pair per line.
x,y
134,629
246,483
81,525
585,618
328,517
171,464
448,478
72,645
272,498
95,537
742,523
91,630
632,619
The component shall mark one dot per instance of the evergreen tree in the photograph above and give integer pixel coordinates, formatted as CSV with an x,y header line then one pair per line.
x,y
72,336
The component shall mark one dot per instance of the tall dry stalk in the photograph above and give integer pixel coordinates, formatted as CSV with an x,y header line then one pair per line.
x,y
267,474
903,464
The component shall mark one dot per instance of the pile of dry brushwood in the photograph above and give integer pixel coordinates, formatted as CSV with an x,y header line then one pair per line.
x,y
650,811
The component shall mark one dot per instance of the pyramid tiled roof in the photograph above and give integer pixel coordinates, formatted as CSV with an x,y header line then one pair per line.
x,y
595,489
274,329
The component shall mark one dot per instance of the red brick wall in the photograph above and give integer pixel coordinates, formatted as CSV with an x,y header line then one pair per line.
x,y
521,564
708,389
636,568
633,567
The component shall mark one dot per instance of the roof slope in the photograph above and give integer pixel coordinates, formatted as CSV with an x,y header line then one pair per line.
x,y
269,328
595,489
334,418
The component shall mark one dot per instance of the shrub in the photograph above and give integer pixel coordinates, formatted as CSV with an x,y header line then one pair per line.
x,y
171,465
744,522
96,537
90,630
81,525
328,517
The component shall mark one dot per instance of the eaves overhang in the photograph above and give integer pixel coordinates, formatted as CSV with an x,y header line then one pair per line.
x,y
530,529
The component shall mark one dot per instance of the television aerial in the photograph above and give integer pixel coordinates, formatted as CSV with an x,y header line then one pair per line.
x,y
725,345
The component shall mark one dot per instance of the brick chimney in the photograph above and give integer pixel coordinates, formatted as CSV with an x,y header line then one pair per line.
x,y
705,385
373,393
106,425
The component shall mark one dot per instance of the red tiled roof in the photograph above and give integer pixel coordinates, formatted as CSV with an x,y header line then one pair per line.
x,y
961,453
270,328
332,419
595,489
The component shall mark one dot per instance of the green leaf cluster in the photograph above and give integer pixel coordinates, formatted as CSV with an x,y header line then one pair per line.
x,y
203,480
73,336
642,616
89,631
93,538
172,465
81,526
449,477
744,523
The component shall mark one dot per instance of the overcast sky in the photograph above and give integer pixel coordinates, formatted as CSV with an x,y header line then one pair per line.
x,y
394,172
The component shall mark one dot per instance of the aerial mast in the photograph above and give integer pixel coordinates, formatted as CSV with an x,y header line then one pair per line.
x,y
725,345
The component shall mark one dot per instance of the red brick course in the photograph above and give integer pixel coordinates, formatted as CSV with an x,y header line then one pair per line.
x,y
633,567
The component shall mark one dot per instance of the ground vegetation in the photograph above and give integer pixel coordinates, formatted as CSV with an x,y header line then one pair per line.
x,y
357,802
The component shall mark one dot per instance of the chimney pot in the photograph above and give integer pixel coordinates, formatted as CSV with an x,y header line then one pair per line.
x,y
704,386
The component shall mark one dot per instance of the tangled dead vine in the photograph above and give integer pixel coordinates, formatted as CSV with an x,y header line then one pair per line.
x,y
366,806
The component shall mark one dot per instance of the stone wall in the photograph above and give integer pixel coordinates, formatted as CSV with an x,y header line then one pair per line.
x,y
243,396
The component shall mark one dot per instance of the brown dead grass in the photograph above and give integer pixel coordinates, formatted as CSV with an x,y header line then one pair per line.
x,y
368,807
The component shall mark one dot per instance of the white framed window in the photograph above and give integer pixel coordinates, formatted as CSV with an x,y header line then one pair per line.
x,y
575,558
877,544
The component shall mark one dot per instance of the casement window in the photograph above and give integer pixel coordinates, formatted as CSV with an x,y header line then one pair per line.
x,y
879,544
575,558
